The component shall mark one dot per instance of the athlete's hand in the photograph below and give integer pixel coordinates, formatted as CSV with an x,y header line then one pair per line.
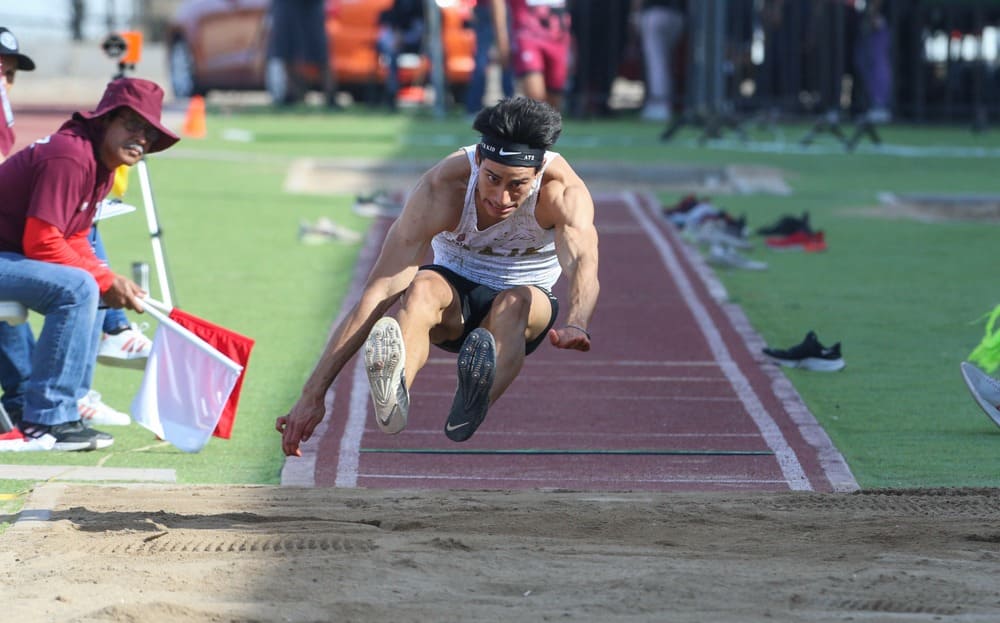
x,y
298,425
570,337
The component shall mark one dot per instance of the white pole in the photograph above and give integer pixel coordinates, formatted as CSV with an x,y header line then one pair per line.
x,y
154,232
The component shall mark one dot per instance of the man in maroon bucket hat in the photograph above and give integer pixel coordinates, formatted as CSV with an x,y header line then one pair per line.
x,y
52,189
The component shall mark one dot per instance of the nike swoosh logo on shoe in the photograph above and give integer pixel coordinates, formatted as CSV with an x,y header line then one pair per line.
x,y
448,427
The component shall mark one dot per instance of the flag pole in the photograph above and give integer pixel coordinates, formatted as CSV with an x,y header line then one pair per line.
x,y
155,233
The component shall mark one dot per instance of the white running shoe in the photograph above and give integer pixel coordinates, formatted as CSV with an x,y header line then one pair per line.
x,y
724,256
128,349
385,355
93,412
985,390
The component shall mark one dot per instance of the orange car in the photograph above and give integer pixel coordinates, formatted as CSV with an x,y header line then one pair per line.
x,y
222,45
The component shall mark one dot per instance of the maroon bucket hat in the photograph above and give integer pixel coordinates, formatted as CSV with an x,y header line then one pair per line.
x,y
142,96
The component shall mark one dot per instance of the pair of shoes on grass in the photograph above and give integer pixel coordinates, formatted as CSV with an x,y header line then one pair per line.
x,y
23,436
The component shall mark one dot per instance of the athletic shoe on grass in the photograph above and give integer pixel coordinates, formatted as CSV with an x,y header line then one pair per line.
x,y
725,256
377,204
477,365
786,225
720,231
93,412
799,241
325,230
385,355
126,349
985,389
808,355
69,437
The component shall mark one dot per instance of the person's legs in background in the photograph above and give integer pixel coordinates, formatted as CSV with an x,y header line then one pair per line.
x,y
485,36
483,27
387,46
122,343
872,61
660,29
317,47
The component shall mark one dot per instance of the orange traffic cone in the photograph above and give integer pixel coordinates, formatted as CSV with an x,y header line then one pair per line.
x,y
194,122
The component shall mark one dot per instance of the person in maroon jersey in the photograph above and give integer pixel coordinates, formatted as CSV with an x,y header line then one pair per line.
x,y
52,189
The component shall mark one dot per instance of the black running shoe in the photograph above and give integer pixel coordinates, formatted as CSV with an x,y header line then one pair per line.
x,y
808,355
477,363
68,437
786,225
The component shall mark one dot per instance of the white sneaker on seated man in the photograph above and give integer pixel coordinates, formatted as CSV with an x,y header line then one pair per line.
x,y
128,348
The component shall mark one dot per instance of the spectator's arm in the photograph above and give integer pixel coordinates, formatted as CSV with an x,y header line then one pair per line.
x,y
46,243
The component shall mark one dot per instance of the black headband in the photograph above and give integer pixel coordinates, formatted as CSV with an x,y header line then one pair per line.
x,y
510,154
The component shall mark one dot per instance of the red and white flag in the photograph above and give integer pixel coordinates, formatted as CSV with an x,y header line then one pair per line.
x,y
233,345
186,387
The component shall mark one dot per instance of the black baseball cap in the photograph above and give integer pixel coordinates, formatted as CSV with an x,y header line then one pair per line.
x,y
9,47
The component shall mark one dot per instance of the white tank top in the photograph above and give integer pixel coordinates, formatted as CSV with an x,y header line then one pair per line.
x,y
514,252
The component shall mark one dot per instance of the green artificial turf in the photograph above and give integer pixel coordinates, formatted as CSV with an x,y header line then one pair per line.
x,y
900,295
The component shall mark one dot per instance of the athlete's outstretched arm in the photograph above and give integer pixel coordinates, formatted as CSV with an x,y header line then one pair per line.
x,y
572,211
405,247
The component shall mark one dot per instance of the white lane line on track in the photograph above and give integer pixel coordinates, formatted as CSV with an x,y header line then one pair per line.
x,y
357,413
787,460
831,460
584,481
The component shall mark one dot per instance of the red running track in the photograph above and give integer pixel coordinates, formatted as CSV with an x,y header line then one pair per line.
x,y
672,396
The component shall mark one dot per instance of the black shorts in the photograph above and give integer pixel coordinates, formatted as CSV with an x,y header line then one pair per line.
x,y
476,300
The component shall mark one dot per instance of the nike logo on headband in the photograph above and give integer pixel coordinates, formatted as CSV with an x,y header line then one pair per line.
x,y
508,153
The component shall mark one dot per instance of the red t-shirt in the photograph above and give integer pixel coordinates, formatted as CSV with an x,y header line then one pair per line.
x,y
51,189
542,19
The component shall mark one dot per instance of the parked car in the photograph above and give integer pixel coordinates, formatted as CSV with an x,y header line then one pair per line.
x,y
223,45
